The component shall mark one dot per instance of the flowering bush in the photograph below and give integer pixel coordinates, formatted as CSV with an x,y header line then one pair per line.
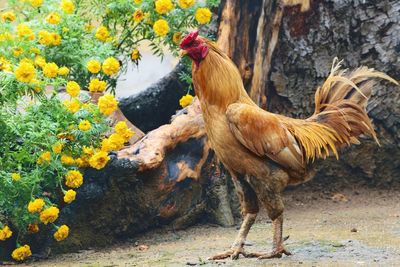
x,y
47,142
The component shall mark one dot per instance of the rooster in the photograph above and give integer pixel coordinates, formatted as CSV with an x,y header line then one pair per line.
x,y
265,152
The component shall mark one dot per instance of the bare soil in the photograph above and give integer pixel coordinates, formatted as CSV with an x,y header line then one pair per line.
x,y
353,227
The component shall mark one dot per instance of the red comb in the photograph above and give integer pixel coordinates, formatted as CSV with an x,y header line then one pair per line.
x,y
189,39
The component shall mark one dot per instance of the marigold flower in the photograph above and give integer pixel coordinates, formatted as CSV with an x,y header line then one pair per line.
x,y
122,129
186,100
8,16
82,162
102,33
17,51
50,70
21,253
49,215
5,233
15,176
45,37
176,38
116,141
110,66
87,150
61,233
5,65
25,72
107,104
67,6
35,50
53,18
85,125
72,105
33,228
138,15
138,1
96,85
161,27
99,160
69,196
203,15
186,3
163,6
40,61
57,147
44,157
55,38
93,66
73,88
36,3
67,160
24,30
135,54
63,71
36,205
73,179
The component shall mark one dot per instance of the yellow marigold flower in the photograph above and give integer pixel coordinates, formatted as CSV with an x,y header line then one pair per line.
x,y
53,18
138,1
50,70
49,215
25,72
8,16
163,6
93,66
135,54
67,6
69,196
107,104
82,162
203,15
138,15
45,37
33,228
24,30
73,179
6,36
73,88
63,71
186,3
67,160
176,38
36,85
36,3
21,253
85,125
110,66
87,150
186,100
40,61
5,233
161,27
99,160
72,105
17,51
116,141
96,85
35,50
61,233
122,129
5,65
57,147
15,176
89,27
44,157
36,205
102,33
55,38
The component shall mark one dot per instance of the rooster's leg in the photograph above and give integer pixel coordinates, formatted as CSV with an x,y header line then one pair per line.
x,y
277,244
249,204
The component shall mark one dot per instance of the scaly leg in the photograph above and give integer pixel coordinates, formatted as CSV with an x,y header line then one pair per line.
x,y
249,204
277,246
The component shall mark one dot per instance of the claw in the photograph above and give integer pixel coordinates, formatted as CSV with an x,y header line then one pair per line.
x,y
232,253
276,253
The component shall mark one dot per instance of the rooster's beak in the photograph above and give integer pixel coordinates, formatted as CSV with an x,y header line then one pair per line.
x,y
182,53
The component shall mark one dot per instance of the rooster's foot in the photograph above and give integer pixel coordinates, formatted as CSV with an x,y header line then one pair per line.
x,y
276,253
233,253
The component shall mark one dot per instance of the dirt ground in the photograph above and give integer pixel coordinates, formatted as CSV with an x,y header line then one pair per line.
x,y
353,227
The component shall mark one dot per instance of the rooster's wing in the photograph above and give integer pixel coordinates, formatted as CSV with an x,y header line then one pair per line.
x,y
263,133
